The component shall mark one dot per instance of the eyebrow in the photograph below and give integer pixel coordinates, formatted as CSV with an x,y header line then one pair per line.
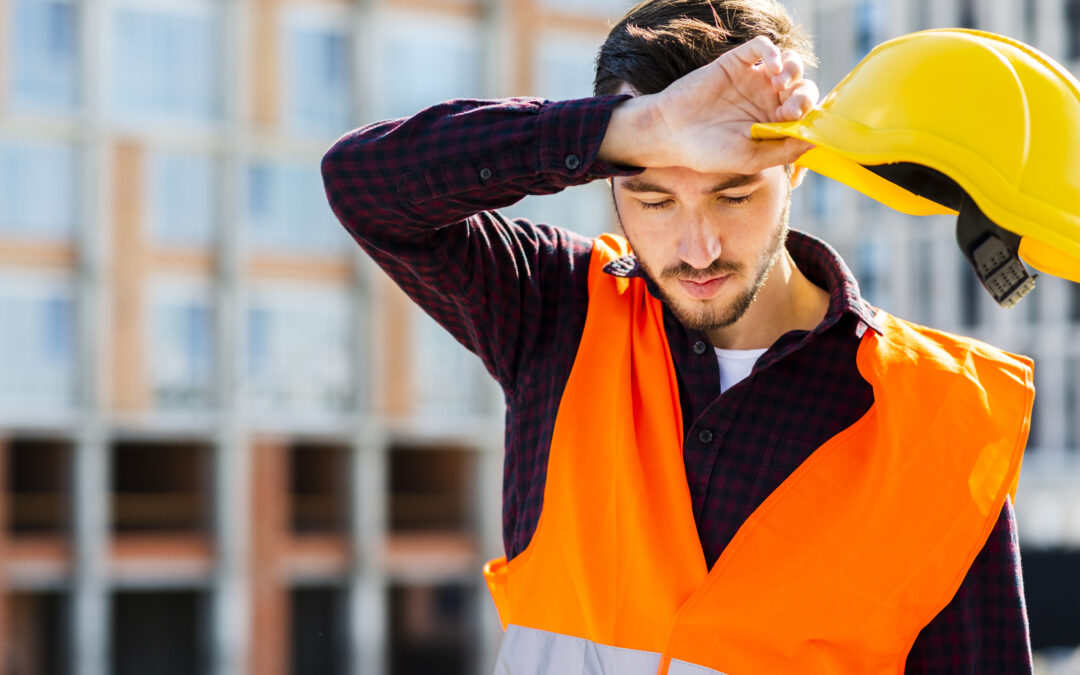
x,y
736,180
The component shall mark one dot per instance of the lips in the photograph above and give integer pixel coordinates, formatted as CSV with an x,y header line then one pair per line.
x,y
703,290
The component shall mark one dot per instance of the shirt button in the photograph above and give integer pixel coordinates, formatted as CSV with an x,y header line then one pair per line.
x,y
485,174
705,436
699,347
572,162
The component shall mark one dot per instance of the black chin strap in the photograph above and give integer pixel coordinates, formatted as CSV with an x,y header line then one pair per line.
x,y
991,249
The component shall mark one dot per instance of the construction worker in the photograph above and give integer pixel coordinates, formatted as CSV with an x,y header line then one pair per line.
x,y
719,457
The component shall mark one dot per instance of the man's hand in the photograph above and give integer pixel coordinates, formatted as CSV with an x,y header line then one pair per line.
x,y
702,121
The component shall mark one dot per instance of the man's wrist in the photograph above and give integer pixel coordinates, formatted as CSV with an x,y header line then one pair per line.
x,y
632,134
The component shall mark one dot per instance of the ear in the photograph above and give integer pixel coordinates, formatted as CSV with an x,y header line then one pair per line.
x,y
797,175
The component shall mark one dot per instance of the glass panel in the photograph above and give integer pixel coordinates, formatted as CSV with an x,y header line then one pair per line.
x,y
1072,19
612,9
967,16
162,632
425,65
834,28
565,71
45,46
181,347
565,68
585,208
870,18
447,378
923,252
166,64
36,345
1071,404
287,210
1074,302
319,630
971,292
183,198
37,189
298,351
319,83
432,629
872,269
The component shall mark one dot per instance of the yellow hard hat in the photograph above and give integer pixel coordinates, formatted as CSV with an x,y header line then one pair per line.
x,y
956,121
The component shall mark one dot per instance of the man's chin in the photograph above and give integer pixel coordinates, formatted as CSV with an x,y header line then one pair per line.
x,y
705,315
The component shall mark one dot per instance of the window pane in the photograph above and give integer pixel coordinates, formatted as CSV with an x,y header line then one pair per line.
x,y
298,357
446,377
287,209
870,18
612,9
1072,31
565,68
37,189
183,199
424,66
44,44
872,268
181,348
565,71
166,64
319,85
36,344
585,208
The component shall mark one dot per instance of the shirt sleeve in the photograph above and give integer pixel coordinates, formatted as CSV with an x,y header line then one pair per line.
x,y
984,629
419,195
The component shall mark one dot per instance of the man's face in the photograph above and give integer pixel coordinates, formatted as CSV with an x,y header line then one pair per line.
x,y
707,240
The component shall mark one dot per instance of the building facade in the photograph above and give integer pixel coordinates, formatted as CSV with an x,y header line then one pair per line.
x,y
229,444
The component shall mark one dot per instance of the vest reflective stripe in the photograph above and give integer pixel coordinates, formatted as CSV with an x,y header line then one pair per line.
x,y
841,566
528,651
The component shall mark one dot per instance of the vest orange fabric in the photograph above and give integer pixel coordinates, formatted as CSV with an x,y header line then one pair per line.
x,y
836,572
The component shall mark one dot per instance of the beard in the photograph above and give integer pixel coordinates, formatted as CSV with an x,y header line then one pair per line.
x,y
703,315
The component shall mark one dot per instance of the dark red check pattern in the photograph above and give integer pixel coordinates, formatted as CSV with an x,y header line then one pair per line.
x,y
420,196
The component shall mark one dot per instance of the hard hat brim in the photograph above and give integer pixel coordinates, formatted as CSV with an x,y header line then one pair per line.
x,y
1040,247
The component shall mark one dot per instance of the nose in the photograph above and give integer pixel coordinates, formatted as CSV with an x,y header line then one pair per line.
x,y
699,245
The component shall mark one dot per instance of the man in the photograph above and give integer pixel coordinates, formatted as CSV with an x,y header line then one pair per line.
x,y
742,467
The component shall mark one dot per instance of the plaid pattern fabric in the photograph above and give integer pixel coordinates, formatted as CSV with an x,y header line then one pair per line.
x,y
419,195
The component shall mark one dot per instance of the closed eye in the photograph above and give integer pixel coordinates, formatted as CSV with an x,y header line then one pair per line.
x,y
654,206
736,201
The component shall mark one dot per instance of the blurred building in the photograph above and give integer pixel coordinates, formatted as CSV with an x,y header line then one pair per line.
x,y
229,444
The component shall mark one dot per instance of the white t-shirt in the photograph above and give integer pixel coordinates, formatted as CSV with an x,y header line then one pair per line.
x,y
735,365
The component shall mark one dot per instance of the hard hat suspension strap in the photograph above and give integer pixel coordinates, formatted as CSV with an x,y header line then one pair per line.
x,y
991,249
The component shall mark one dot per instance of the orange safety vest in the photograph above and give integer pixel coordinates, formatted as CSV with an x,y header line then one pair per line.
x,y
836,572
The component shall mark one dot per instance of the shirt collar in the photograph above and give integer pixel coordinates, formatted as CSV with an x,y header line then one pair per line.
x,y
816,259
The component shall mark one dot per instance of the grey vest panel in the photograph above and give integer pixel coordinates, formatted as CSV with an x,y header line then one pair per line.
x,y
528,651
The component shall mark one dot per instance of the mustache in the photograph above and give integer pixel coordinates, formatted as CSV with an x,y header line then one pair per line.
x,y
688,272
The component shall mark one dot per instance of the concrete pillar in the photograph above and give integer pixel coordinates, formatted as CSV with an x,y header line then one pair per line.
x,y
90,586
232,467
367,603
90,460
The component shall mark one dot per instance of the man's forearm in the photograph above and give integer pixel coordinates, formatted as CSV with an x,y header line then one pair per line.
x,y
461,157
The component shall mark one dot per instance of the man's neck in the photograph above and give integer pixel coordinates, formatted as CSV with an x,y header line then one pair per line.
x,y
788,301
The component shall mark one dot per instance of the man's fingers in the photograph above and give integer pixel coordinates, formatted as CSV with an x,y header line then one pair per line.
x,y
775,153
796,101
759,50
791,70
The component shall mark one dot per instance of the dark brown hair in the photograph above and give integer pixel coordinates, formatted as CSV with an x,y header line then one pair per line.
x,y
659,41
